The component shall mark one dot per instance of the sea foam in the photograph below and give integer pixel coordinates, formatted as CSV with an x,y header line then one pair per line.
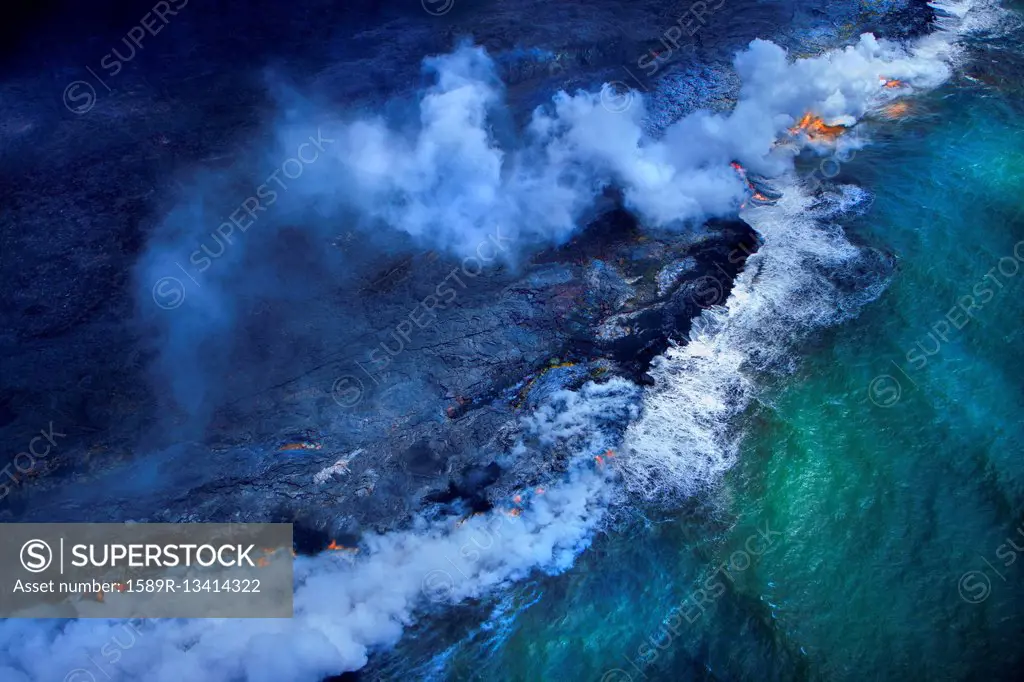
x,y
683,440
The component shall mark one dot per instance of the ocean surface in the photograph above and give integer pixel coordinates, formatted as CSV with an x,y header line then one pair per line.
x,y
868,526
825,482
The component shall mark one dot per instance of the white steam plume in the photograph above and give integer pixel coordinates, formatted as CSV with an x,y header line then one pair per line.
x,y
346,607
447,182
449,179
687,435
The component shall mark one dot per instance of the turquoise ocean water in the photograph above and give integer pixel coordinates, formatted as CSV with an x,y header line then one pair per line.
x,y
870,527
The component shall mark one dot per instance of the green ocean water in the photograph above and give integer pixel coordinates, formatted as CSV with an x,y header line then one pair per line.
x,y
893,461
866,531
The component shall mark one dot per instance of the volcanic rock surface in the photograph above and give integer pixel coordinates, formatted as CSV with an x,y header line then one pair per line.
x,y
308,423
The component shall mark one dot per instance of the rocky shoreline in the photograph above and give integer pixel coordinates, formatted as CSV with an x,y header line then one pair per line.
x,y
391,412
426,427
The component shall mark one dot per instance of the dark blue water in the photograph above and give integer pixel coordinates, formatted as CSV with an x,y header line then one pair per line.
x,y
887,469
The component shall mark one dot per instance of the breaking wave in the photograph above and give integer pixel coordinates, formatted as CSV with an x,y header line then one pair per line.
x,y
686,437
348,606
800,278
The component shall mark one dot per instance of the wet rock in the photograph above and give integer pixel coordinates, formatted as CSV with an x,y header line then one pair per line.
x,y
428,426
302,372
470,487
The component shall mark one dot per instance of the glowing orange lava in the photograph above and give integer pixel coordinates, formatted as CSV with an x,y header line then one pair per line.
x,y
298,446
742,172
893,83
816,129
335,547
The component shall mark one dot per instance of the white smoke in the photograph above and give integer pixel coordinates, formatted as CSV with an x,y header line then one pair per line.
x,y
343,609
448,181
345,606
581,420
687,435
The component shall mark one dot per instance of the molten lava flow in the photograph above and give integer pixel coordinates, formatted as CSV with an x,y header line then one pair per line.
x,y
890,83
816,129
742,172
302,445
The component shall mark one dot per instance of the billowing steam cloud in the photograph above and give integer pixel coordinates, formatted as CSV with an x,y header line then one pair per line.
x,y
686,437
450,179
343,608
446,181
